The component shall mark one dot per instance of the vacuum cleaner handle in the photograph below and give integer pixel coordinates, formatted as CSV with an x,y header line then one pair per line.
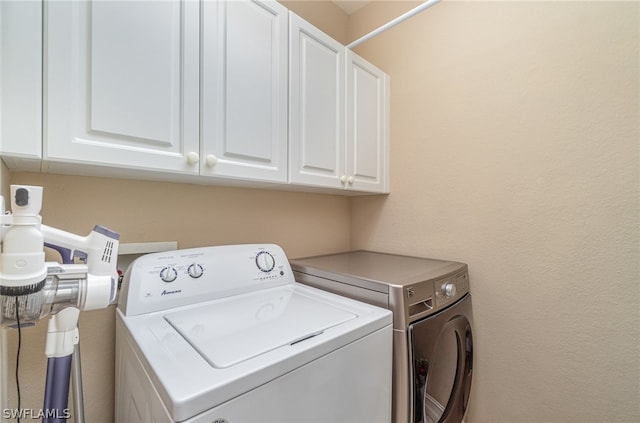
x,y
99,249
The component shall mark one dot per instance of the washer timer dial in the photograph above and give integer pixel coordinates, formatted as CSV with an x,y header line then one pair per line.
x,y
168,274
195,270
265,261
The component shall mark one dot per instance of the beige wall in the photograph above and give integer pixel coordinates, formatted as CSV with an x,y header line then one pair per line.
x,y
193,215
515,137
514,149
323,14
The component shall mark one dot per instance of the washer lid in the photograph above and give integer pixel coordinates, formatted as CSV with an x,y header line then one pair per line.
x,y
240,328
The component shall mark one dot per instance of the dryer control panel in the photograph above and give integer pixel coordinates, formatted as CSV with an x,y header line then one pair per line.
x,y
449,290
169,279
428,297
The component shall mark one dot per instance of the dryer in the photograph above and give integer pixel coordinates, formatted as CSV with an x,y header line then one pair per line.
x,y
224,334
432,324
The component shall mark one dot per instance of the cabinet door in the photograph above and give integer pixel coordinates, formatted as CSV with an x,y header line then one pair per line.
x,y
21,83
122,83
367,126
244,90
316,106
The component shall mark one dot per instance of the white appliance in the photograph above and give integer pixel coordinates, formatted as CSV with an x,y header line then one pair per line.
x,y
224,334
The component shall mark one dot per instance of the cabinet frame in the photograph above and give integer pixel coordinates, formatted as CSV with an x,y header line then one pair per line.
x,y
52,47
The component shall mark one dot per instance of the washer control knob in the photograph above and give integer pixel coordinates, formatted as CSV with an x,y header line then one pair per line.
x,y
168,274
449,290
195,270
265,261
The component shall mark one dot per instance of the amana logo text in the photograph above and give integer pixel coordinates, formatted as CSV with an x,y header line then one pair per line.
x,y
165,292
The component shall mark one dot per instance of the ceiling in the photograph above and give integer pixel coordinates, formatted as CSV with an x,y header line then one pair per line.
x,y
351,6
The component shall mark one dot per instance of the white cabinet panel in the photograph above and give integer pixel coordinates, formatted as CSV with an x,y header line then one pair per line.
x,y
330,87
367,126
21,83
244,90
145,98
122,83
316,106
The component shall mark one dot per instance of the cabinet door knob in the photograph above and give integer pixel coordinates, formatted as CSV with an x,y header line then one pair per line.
x,y
211,160
350,180
193,158
343,179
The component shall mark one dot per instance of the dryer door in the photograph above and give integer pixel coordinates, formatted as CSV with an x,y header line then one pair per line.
x,y
442,358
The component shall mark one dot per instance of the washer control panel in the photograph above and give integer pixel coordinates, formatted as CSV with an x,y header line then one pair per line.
x,y
160,281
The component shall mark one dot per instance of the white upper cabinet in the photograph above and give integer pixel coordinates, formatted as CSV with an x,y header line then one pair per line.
x,y
21,83
122,84
239,91
367,126
338,114
316,106
244,90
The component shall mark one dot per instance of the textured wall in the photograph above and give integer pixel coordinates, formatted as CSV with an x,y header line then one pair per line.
x,y
515,137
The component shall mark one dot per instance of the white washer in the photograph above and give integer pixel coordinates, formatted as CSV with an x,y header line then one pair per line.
x,y
224,334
